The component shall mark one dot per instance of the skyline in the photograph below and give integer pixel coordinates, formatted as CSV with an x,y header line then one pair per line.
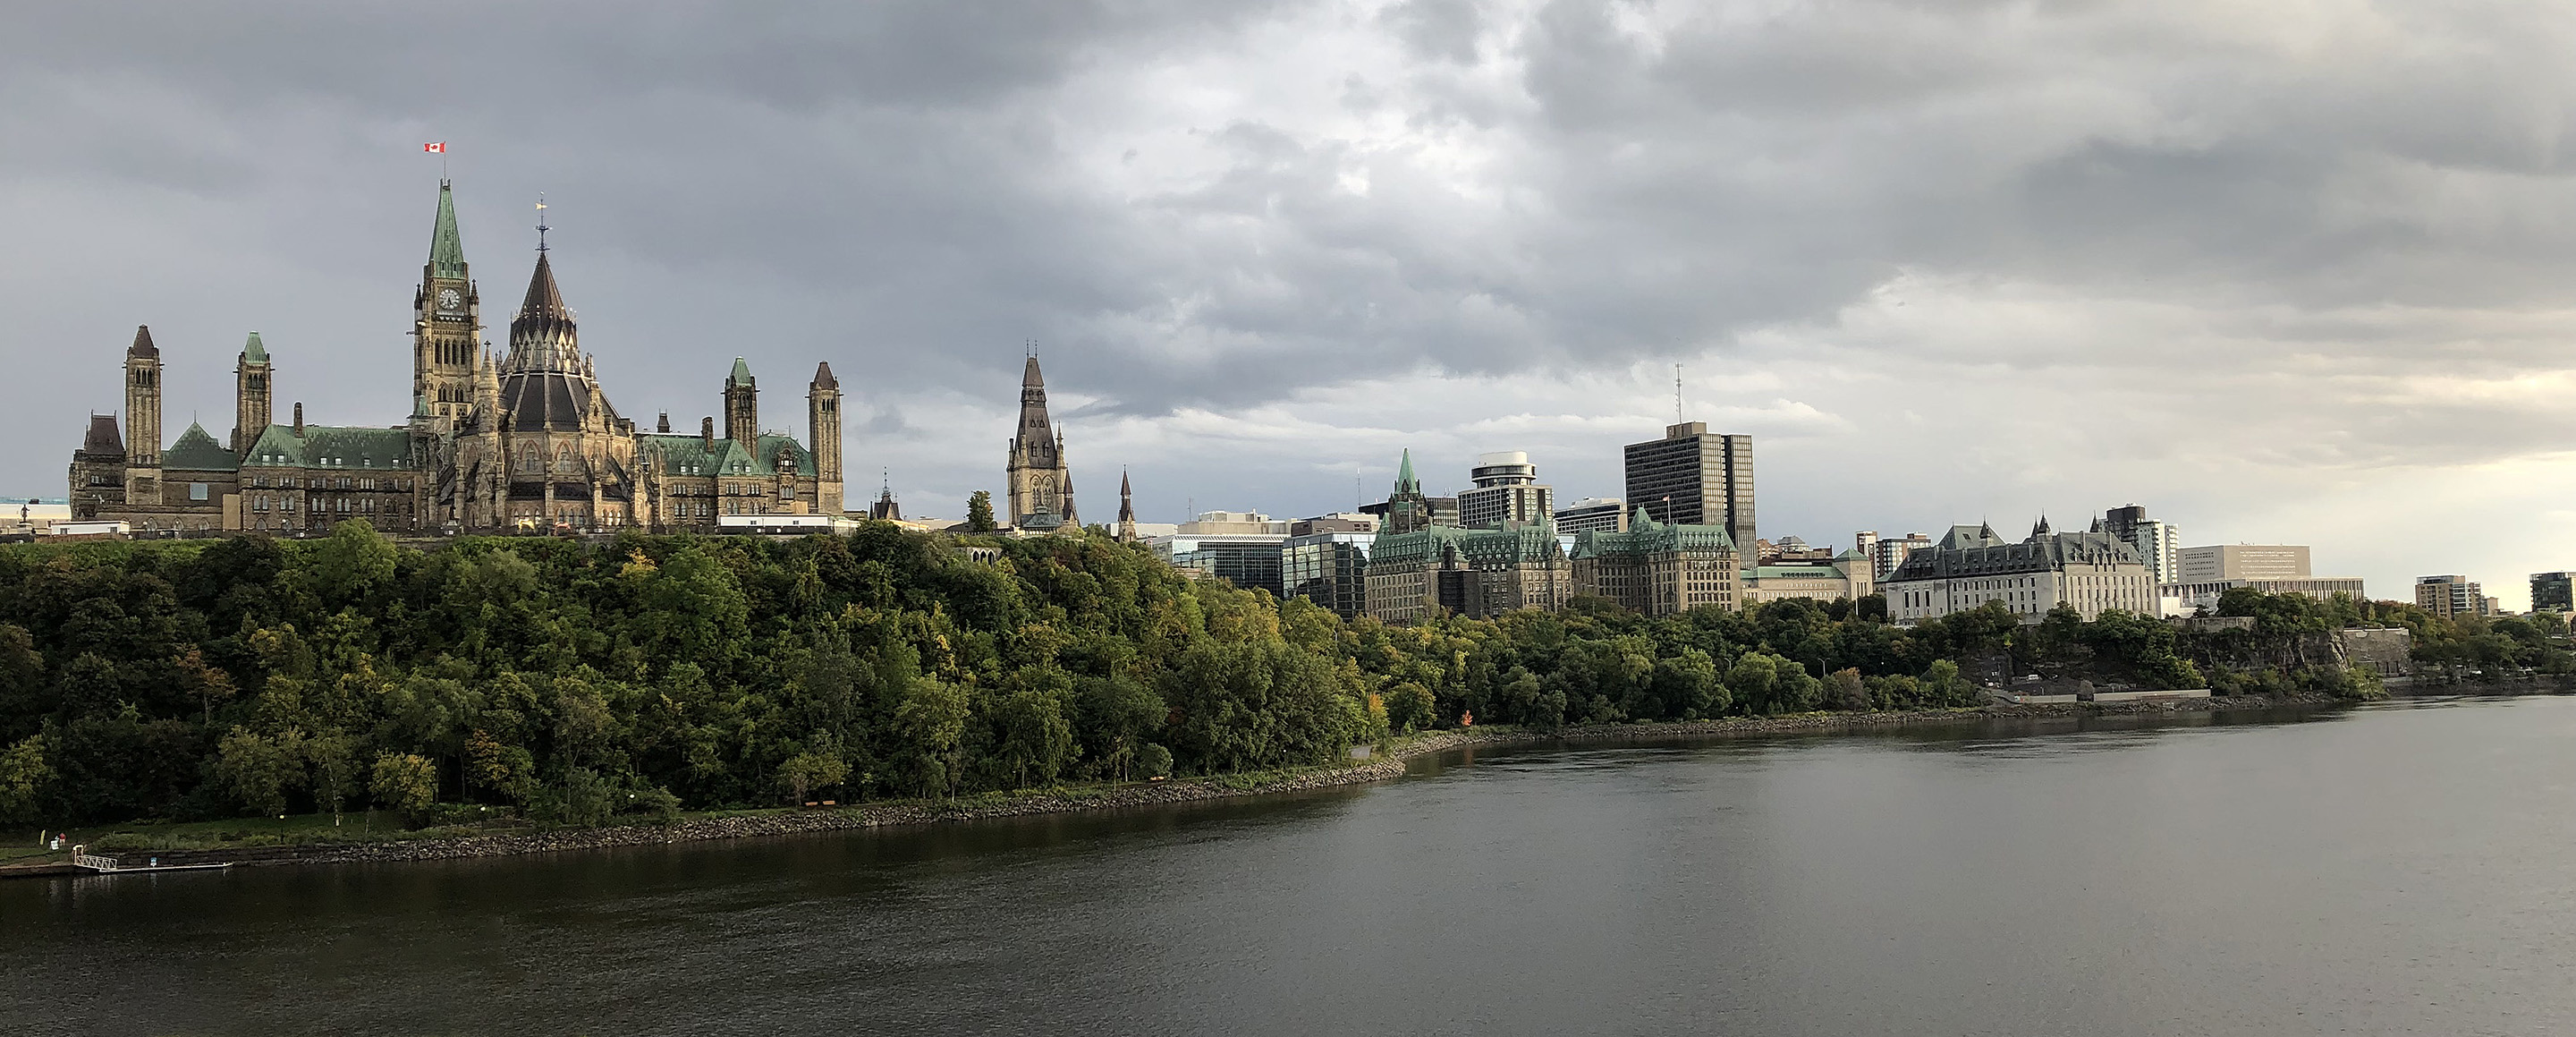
x,y
1944,269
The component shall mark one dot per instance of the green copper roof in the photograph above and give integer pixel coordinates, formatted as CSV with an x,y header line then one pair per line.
x,y
446,254
198,452
741,373
325,446
689,455
1404,480
1647,536
253,352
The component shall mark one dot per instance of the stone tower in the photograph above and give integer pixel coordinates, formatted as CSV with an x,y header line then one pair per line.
x,y
742,406
1039,481
143,419
447,320
250,395
823,422
1126,511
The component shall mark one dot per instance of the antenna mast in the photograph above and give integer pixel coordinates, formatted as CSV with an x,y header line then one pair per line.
x,y
1677,394
541,221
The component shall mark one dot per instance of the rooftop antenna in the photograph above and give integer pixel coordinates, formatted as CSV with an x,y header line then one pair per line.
x,y
541,221
1677,394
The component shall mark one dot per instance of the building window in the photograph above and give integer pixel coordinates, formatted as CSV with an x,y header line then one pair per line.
x,y
196,491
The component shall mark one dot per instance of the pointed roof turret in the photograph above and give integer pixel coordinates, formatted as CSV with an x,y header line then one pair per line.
x,y
2040,528
143,346
1404,480
1126,499
446,253
741,373
253,352
1029,376
823,377
544,299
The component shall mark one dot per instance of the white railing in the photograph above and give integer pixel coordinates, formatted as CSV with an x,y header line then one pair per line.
x,y
92,861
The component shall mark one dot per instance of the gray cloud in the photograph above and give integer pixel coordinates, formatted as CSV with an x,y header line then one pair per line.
x,y
2073,254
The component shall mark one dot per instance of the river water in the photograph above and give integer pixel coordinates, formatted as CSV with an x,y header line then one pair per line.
x,y
2389,869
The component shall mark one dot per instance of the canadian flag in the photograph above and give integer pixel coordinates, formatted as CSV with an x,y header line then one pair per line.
x,y
439,147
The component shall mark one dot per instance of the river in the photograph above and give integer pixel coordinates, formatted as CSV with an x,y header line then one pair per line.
x,y
2389,869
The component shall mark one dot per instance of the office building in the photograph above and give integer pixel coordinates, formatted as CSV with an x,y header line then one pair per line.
x,y
2553,592
1506,493
2187,599
1658,568
1845,576
1608,514
1691,477
1328,567
1885,554
2450,596
2157,543
2243,562
2092,571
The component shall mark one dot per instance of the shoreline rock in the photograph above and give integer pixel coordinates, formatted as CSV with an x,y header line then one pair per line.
x,y
1388,767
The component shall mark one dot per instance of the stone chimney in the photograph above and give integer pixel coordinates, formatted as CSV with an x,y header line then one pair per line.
x,y
707,433
299,418
663,425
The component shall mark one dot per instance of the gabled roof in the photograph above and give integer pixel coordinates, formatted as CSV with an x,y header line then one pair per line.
x,y
689,455
325,446
198,452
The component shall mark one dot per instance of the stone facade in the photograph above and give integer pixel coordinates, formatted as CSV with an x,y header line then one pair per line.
x,y
524,441
2091,571
1659,568
1421,573
1041,484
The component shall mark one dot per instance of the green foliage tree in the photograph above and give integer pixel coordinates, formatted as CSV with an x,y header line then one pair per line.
x,y
25,778
406,784
260,771
979,513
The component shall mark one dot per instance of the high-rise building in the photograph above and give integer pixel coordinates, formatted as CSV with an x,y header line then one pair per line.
x,y
1507,492
1885,554
2157,543
1607,514
2449,596
2553,592
1691,477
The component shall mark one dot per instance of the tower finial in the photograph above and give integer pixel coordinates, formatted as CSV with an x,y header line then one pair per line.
x,y
541,221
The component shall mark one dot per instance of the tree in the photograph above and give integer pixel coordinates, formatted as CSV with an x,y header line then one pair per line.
x,y
929,722
1408,707
1687,686
979,512
406,784
333,762
351,561
25,778
259,771
1845,690
809,770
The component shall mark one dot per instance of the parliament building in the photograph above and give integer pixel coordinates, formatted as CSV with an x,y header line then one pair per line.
x,y
522,440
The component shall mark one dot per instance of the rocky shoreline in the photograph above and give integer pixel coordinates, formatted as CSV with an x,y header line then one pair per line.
x,y
1390,766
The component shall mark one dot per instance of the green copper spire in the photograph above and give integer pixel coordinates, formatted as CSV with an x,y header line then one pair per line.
x,y
253,352
446,254
741,373
1404,480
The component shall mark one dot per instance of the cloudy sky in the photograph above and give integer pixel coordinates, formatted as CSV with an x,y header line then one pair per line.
x,y
2295,271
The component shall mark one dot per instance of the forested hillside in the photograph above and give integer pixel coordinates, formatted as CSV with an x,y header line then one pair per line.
x,y
576,681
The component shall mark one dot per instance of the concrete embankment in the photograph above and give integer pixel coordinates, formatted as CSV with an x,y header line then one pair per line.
x,y
1388,766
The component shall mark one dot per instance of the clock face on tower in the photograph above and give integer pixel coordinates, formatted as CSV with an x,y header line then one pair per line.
x,y
450,300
